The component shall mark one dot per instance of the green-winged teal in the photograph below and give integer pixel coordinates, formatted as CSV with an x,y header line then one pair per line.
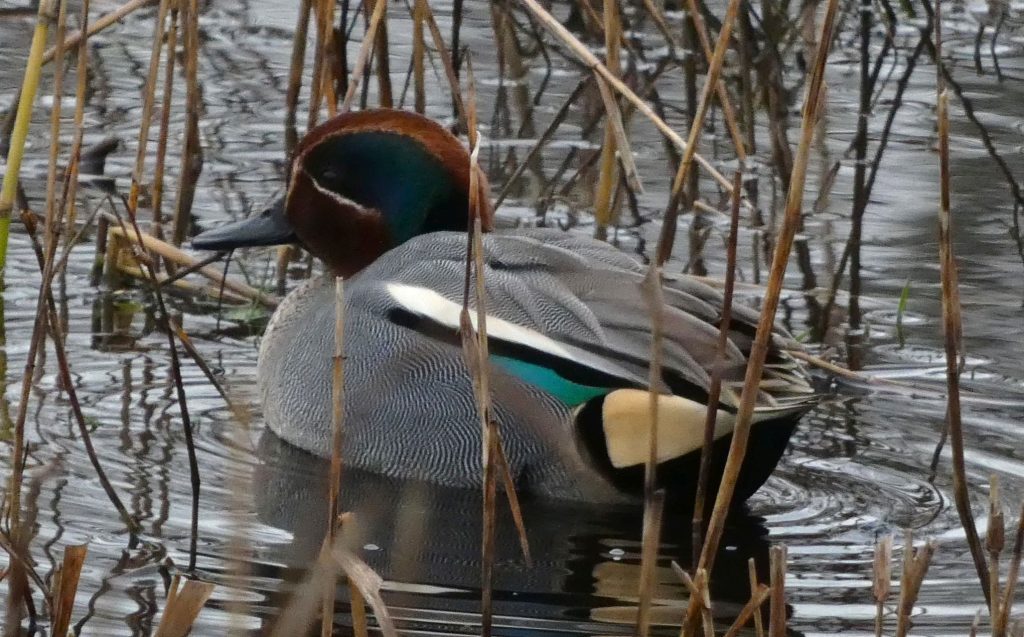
x,y
381,197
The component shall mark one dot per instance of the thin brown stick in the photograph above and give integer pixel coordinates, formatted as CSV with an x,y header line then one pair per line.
x,y
449,69
165,121
337,439
148,98
419,57
55,115
100,24
358,70
669,223
383,59
316,81
995,538
728,113
298,60
654,506
191,152
173,333
48,315
603,210
952,327
715,388
69,202
766,324
1012,575
584,55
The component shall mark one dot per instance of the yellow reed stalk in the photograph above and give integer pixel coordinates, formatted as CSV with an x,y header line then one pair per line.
x,y
29,86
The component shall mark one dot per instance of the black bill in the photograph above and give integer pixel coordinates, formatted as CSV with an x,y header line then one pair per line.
x,y
269,228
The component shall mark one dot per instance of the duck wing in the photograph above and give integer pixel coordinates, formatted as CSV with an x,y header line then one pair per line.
x,y
567,307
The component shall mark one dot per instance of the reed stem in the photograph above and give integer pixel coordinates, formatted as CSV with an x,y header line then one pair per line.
x,y
29,86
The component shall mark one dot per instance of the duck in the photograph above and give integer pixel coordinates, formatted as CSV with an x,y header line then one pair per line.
x,y
381,198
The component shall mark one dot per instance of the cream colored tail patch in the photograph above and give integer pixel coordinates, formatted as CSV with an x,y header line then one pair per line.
x,y
627,423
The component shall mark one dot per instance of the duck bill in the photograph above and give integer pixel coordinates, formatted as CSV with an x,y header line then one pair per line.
x,y
269,228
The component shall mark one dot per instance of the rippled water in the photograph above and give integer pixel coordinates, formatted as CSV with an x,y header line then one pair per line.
x,y
858,466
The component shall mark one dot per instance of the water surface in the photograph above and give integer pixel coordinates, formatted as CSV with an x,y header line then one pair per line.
x,y
858,466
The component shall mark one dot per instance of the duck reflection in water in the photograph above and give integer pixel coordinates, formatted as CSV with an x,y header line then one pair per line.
x,y
424,540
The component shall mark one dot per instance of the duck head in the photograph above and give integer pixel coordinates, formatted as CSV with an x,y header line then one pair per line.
x,y
361,184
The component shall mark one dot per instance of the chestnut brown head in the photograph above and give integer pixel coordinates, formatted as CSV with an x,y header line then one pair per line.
x,y
361,184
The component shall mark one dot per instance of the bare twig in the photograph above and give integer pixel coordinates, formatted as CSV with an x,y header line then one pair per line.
x,y
953,326
715,388
766,324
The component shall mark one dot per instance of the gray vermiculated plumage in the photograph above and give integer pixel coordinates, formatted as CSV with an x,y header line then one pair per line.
x,y
409,405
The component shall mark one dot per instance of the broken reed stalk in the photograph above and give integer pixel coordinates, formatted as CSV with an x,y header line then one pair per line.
x,y
952,326
777,606
881,579
148,97
700,598
603,197
165,121
670,222
372,29
190,264
588,59
766,324
915,567
65,585
183,606
192,151
337,431
751,609
29,86
298,60
752,579
715,388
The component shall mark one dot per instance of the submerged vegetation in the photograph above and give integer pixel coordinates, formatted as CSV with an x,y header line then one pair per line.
x,y
733,96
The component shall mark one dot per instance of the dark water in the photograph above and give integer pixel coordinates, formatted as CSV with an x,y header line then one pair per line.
x,y
858,467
